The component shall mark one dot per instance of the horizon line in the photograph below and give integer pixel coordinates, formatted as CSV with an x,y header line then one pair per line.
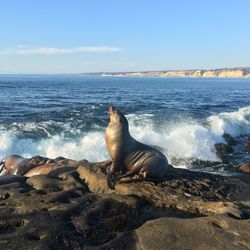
x,y
136,71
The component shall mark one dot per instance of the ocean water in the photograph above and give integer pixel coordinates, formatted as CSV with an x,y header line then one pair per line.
x,y
66,115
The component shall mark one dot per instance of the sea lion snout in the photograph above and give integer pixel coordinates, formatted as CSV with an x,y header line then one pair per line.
x,y
114,115
111,110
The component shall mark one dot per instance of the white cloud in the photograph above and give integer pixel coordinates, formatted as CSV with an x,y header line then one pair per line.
x,y
23,50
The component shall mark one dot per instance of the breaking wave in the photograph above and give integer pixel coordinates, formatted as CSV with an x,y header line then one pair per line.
x,y
182,139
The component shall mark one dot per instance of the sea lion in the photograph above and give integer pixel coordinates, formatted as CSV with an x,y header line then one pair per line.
x,y
129,156
18,165
63,165
51,166
10,164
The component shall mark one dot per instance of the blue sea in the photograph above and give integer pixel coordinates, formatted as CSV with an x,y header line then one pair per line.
x,y
66,115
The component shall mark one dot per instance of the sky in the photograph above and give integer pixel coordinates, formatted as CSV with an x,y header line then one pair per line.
x,y
80,36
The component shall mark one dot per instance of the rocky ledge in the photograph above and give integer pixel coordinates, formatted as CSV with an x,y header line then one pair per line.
x,y
74,209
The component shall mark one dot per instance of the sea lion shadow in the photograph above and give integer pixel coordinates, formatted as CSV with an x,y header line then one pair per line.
x,y
140,179
173,175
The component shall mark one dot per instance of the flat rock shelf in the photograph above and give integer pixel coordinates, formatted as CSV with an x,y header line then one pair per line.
x,y
74,209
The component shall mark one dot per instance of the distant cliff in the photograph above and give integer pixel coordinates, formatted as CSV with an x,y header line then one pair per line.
x,y
223,73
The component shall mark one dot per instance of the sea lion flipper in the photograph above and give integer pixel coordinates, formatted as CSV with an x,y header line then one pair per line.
x,y
110,181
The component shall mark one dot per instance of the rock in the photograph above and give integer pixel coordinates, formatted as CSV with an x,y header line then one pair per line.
x,y
11,178
215,232
74,209
245,168
226,72
207,193
201,164
247,142
222,148
229,140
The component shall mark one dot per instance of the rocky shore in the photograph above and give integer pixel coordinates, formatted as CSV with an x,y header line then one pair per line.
x,y
72,208
240,72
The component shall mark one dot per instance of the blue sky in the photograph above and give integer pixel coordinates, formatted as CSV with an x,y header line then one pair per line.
x,y
62,36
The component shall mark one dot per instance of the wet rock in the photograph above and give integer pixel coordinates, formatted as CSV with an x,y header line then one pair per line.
x,y
203,165
222,149
229,139
247,143
12,178
245,168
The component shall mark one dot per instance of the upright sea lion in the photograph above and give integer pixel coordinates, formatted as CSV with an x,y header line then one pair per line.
x,y
129,156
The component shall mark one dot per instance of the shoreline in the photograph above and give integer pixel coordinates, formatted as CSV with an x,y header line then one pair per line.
x,y
239,72
227,73
72,208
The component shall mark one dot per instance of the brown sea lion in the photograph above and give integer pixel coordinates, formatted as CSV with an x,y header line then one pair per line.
x,y
18,165
10,164
129,156
36,161
51,166
63,165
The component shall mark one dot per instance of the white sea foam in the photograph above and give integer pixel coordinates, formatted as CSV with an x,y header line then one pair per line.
x,y
181,140
45,128
90,146
233,123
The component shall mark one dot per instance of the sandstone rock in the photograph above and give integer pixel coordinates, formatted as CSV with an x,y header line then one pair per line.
x,y
215,232
239,72
209,73
76,210
183,190
231,73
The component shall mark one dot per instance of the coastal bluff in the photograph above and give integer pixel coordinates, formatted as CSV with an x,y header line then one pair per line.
x,y
240,72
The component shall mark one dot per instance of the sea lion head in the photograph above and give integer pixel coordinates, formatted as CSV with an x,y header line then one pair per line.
x,y
38,160
6,166
10,164
117,118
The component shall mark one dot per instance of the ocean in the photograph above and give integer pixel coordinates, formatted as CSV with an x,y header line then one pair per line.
x,y
66,115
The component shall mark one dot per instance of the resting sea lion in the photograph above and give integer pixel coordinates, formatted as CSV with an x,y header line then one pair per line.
x,y
130,156
10,164
51,166
18,165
